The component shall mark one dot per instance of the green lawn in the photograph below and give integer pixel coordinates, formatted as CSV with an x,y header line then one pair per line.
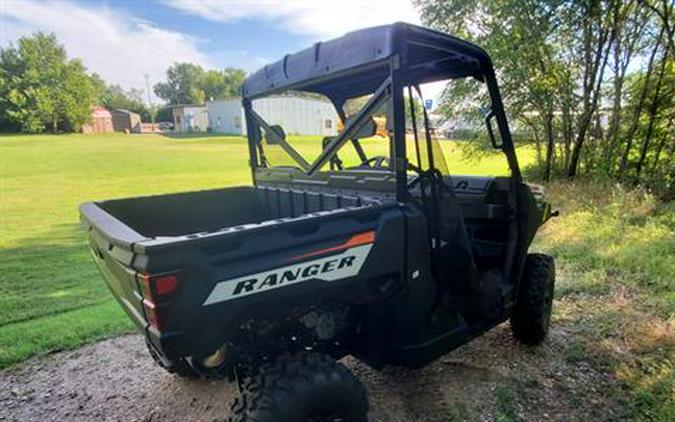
x,y
51,295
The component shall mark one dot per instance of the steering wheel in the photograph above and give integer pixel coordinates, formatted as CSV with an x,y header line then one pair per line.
x,y
379,161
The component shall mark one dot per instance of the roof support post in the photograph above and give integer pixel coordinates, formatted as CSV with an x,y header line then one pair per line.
x,y
398,113
253,137
498,109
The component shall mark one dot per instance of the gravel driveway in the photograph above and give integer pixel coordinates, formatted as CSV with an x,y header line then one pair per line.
x,y
492,378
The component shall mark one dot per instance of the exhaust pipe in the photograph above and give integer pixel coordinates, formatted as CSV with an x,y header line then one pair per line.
x,y
215,359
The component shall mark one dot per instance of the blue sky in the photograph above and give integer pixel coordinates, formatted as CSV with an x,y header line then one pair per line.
x,y
247,36
123,40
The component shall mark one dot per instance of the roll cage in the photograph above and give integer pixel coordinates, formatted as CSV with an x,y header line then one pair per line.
x,y
381,62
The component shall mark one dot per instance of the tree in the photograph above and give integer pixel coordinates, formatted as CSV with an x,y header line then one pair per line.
x,y
637,109
74,98
594,46
517,34
218,85
40,88
188,83
183,85
590,80
114,96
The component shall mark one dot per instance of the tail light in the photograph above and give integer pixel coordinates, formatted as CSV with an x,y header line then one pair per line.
x,y
156,286
156,289
151,314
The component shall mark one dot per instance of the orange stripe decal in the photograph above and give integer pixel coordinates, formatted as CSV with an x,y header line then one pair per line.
x,y
356,240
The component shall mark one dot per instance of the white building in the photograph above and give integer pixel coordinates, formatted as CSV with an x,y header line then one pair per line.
x,y
226,116
190,118
297,115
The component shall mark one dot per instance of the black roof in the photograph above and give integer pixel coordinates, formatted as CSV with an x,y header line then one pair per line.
x,y
358,62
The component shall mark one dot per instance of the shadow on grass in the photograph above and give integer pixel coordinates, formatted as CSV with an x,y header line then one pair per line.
x,y
66,330
52,297
48,274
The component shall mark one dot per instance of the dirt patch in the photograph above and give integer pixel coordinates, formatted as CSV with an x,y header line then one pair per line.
x,y
492,378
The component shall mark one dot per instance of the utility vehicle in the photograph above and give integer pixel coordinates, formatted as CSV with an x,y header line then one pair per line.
x,y
349,245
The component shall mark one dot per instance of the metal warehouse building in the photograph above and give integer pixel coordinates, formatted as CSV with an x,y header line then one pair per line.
x,y
297,115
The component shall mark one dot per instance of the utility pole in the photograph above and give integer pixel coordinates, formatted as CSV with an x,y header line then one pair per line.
x,y
152,109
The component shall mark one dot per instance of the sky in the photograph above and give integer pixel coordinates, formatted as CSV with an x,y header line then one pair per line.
x,y
124,40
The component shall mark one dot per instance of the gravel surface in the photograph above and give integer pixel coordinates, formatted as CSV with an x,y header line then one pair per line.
x,y
116,380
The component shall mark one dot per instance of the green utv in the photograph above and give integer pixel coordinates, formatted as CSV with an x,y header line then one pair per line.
x,y
364,246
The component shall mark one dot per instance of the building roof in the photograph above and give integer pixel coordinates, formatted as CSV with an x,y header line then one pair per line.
x,y
362,58
185,106
275,96
99,112
121,110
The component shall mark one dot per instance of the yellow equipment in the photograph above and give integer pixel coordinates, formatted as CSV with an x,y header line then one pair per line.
x,y
380,122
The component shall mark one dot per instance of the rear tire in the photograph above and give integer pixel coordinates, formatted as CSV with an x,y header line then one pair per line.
x,y
303,387
531,316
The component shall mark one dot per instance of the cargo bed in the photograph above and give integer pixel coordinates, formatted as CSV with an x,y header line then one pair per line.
x,y
193,213
206,237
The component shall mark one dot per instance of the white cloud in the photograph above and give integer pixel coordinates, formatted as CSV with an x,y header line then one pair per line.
x,y
312,17
118,47
122,48
315,18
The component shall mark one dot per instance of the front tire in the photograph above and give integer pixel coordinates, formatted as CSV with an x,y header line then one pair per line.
x,y
302,387
531,316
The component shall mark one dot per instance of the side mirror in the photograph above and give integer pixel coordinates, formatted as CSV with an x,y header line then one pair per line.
x,y
275,136
491,133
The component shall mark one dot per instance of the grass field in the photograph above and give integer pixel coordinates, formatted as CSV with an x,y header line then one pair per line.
x,y
51,295
615,250
615,290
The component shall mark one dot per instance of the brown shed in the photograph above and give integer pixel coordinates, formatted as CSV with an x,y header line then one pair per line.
x,y
101,121
126,121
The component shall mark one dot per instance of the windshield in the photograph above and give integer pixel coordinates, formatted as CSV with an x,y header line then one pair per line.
x,y
297,127
447,132
301,122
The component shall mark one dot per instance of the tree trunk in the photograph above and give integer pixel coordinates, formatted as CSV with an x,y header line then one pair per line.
x,y
594,82
657,155
595,141
638,109
623,52
652,116
618,86
666,17
550,144
537,139
567,133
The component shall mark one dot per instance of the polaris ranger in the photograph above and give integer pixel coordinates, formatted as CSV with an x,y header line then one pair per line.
x,y
367,248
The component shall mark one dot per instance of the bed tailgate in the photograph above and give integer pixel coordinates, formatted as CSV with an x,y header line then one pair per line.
x,y
110,243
